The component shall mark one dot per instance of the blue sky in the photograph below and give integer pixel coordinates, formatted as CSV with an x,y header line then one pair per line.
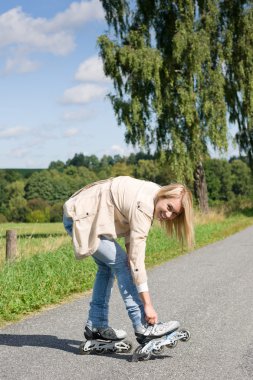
x,y
53,90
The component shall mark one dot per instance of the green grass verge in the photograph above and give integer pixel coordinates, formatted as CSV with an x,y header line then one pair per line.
x,y
48,278
33,228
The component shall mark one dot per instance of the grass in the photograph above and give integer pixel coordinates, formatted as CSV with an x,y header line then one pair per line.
x,y
33,228
33,238
50,277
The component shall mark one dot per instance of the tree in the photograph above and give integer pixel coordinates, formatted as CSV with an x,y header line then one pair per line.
x,y
90,162
3,195
238,55
219,179
57,165
173,74
147,169
121,168
40,185
241,178
17,204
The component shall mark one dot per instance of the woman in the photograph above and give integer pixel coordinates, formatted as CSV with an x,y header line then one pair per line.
x,y
123,206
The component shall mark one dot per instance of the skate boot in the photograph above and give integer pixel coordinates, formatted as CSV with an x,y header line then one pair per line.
x,y
100,340
157,330
154,338
104,333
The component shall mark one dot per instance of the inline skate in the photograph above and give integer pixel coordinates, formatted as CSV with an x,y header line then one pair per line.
x,y
155,339
106,340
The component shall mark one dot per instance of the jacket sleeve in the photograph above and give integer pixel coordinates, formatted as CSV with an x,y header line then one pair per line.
x,y
140,224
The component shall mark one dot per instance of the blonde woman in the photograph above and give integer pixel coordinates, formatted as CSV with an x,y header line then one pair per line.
x,y
124,206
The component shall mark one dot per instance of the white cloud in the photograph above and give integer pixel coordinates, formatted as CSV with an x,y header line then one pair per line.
x,y
78,115
77,14
19,152
91,70
56,36
83,93
20,65
118,149
71,132
13,132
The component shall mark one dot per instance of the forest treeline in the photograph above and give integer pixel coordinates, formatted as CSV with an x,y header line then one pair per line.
x,y
38,195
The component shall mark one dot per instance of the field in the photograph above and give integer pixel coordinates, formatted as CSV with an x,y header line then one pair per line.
x,y
46,271
33,238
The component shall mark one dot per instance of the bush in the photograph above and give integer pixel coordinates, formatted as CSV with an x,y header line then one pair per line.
x,y
56,212
37,204
39,216
3,218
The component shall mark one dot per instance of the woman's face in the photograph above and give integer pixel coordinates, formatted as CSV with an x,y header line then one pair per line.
x,y
167,209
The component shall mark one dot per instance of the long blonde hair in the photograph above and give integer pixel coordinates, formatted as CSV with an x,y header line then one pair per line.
x,y
183,225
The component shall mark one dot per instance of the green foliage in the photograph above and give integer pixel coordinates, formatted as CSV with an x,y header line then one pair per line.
x,y
49,277
37,204
57,165
56,212
178,68
242,181
45,191
90,162
42,279
17,204
121,168
38,216
148,170
54,186
3,196
3,218
219,179
238,54
39,185
225,181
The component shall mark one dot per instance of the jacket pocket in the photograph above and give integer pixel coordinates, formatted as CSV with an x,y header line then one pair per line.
x,y
84,215
146,209
82,234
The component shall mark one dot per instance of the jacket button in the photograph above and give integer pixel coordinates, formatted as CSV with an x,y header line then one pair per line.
x,y
87,213
136,270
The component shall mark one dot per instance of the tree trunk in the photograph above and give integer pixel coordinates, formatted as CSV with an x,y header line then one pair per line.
x,y
200,188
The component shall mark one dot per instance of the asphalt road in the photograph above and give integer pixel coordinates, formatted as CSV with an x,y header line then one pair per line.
x,y
209,291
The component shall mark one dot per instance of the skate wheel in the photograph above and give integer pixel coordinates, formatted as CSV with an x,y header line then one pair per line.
x,y
82,351
99,351
112,350
187,335
158,352
172,345
141,356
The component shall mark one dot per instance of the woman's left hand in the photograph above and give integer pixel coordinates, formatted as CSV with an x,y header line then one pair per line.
x,y
151,315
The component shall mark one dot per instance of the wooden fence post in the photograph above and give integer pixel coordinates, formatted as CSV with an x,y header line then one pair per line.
x,y
11,245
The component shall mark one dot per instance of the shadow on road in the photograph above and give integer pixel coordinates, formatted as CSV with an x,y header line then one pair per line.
x,y
49,341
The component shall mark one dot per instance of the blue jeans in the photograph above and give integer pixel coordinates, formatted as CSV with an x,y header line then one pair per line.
x,y
112,261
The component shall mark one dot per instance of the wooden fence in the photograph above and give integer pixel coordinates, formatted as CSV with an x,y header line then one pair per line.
x,y
11,245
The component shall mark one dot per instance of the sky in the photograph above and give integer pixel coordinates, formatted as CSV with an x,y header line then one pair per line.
x,y
53,100
53,89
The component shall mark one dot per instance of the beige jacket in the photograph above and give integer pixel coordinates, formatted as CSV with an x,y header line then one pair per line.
x,y
121,206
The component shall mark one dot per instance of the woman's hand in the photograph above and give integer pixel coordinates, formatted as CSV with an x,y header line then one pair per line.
x,y
150,314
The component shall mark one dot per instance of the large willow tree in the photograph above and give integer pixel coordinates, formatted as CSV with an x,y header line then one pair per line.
x,y
179,68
